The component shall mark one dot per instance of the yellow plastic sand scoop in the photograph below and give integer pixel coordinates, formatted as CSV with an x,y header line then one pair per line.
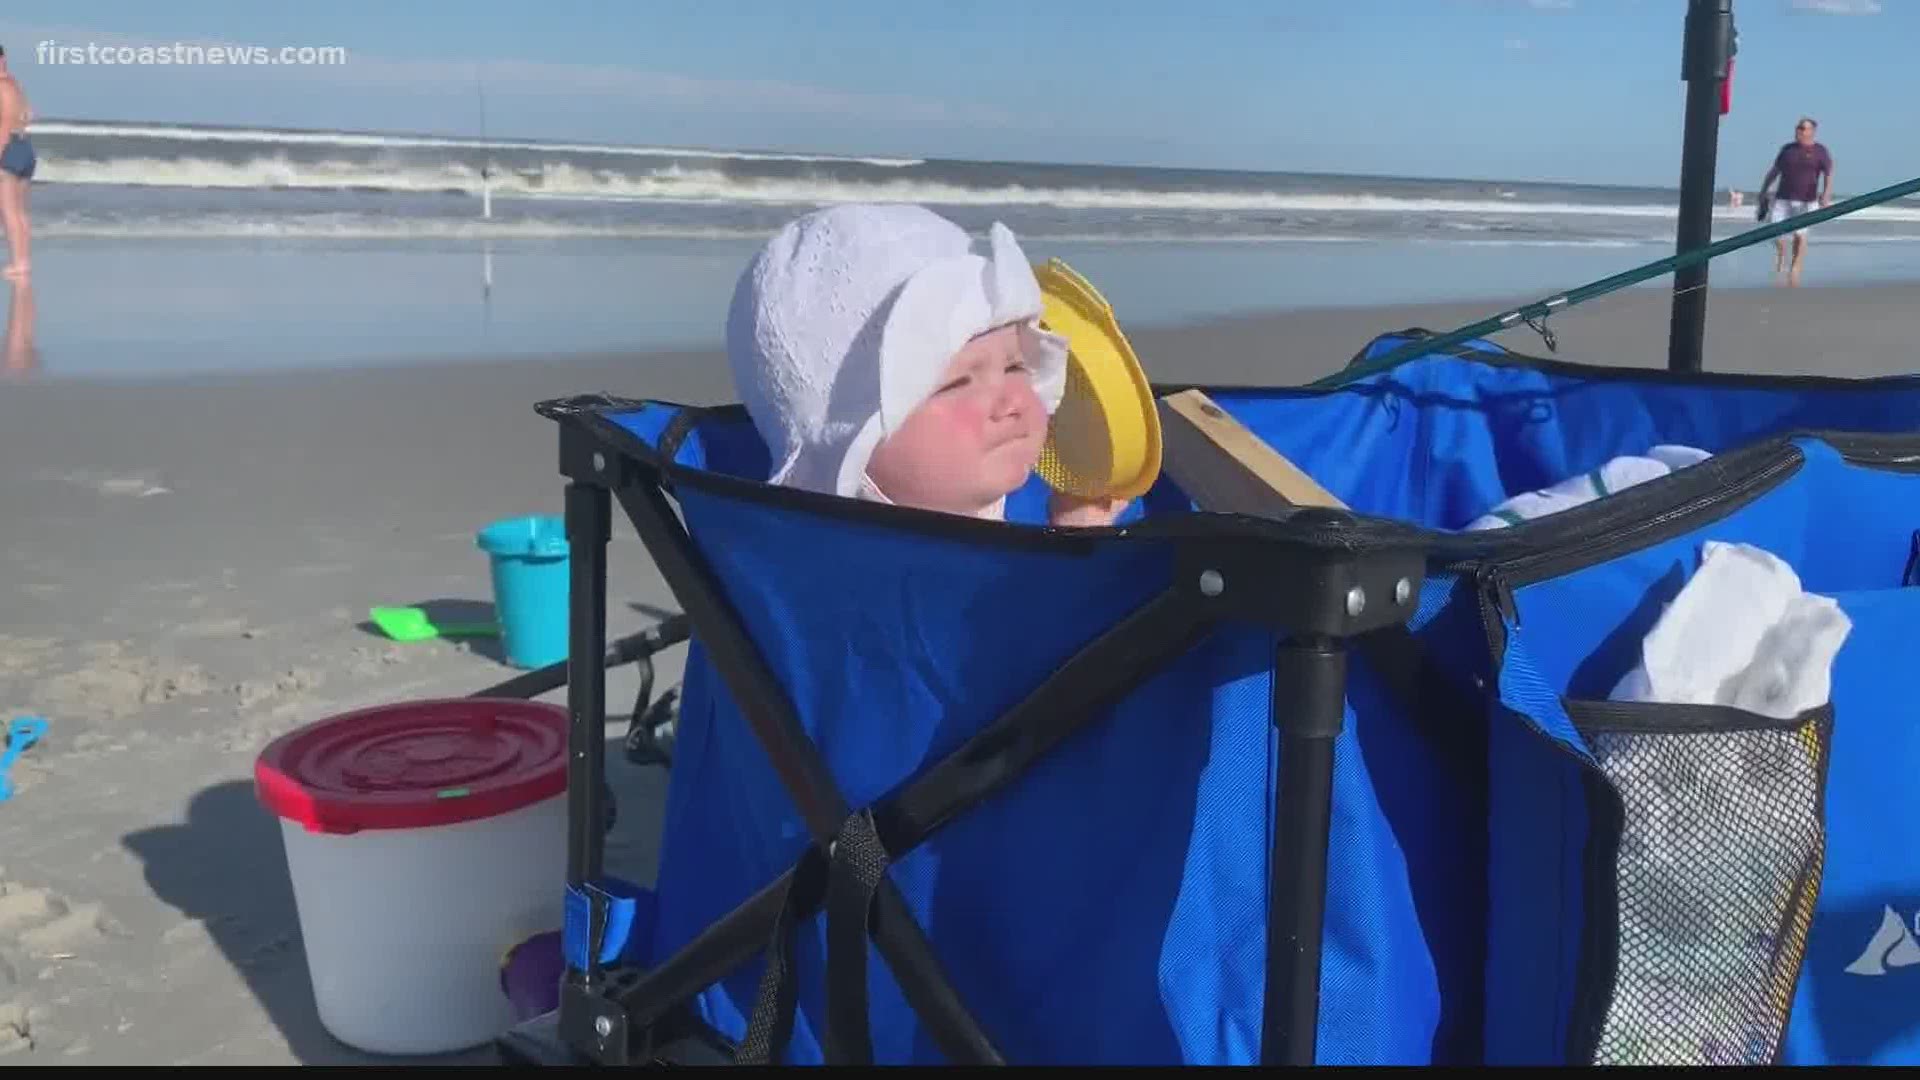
x,y
1104,440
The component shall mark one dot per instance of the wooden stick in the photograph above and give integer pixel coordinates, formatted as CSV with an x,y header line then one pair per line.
x,y
1225,467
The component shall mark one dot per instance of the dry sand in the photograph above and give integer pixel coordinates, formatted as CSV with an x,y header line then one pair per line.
x,y
185,568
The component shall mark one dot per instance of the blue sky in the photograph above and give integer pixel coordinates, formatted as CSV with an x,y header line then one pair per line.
x,y
1573,90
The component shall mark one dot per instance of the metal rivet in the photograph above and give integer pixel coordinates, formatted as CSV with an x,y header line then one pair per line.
x,y
1356,600
1211,583
599,461
1402,591
603,1026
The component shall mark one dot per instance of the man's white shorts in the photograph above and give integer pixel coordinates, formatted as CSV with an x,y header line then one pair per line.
x,y
1782,209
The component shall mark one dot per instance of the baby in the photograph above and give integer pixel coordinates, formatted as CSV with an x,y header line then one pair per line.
x,y
881,358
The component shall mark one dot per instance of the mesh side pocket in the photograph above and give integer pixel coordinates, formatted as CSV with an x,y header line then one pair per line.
x,y
1721,848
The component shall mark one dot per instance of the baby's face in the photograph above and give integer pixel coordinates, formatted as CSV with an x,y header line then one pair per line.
x,y
975,439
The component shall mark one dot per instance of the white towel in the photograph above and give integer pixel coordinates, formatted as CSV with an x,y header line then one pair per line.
x,y
1743,633
1616,474
841,325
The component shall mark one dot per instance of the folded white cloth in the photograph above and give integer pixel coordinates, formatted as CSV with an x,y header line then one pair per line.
x,y
842,324
1615,475
1743,633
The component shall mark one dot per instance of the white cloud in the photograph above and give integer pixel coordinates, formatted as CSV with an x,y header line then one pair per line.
x,y
1519,44
1838,7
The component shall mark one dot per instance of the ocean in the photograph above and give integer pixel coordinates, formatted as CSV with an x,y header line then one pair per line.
x,y
384,237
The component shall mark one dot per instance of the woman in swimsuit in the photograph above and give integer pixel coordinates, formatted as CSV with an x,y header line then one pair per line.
x,y
17,163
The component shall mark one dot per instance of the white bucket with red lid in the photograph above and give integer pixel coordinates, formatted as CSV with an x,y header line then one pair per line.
x,y
424,839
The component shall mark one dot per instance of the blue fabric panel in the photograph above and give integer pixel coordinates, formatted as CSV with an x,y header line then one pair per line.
x,y
1437,441
1858,988
1428,916
1537,821
1401,963
1063,893
1846,530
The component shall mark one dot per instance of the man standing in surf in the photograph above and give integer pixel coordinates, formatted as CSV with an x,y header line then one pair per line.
x,y
1805,170
16,170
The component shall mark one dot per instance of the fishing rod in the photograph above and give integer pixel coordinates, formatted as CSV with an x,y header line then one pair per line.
x,y
1540,309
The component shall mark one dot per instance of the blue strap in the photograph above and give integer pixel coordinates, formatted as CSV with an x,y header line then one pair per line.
x,y
22,733
629,913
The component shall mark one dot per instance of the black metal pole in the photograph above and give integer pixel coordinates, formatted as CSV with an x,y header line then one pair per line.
x,y
589,512
1708,47
1309,702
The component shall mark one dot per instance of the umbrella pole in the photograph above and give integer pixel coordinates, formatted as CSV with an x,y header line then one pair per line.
x,y
1708,48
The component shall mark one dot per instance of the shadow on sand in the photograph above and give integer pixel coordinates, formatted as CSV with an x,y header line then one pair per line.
x,y
225,867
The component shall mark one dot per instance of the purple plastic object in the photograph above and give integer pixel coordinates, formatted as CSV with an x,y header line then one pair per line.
x,y
530,975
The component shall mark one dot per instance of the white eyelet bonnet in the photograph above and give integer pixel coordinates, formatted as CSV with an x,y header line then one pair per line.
x,y
842,324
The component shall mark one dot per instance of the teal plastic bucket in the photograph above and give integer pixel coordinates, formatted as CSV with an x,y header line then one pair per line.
x,y
531,577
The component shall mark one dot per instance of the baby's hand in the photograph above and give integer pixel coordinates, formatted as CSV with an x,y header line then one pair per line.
x,y
1074,512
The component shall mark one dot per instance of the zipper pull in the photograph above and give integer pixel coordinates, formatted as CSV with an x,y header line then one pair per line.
x,y
1499,595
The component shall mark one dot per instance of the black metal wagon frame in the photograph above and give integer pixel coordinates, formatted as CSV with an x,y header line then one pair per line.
x,y
1319,581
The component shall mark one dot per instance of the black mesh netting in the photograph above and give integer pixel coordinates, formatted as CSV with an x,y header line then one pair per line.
x,y
1719,866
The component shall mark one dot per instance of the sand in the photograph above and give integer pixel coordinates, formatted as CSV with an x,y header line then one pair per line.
x,y
185,571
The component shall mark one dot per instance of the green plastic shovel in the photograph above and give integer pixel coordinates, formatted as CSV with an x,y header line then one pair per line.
x,y
412,624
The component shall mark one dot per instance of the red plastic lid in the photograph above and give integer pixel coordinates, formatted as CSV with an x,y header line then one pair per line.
x,y
415,764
